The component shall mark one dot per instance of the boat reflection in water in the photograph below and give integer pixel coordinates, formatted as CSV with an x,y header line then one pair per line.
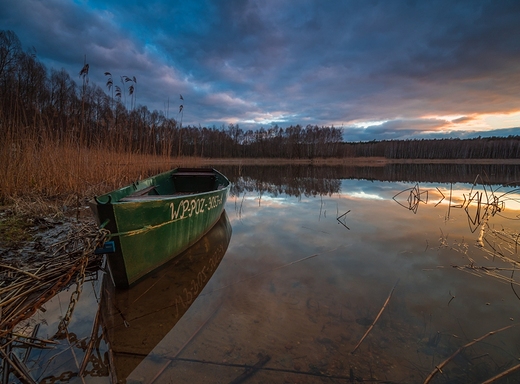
x,y
135,320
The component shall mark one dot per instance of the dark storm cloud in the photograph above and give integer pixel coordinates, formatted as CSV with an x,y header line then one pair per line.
x,y
288,62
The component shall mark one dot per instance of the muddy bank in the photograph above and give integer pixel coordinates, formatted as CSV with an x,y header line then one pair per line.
x,y
29,229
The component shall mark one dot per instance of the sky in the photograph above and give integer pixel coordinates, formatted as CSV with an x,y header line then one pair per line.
x,y
389,69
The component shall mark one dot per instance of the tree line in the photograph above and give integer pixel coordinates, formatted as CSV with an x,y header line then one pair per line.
x,y
37,104
475,148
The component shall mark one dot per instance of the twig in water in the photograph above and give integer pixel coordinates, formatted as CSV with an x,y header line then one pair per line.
x,y
443,197
377,317
439,367
503,374
414,198
344,220
73,353
452,297
41,342
449,203
344,214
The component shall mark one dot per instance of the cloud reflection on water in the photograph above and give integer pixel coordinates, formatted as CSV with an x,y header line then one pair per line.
x,y
355,268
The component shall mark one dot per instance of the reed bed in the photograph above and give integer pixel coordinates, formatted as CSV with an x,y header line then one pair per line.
x,y
46,168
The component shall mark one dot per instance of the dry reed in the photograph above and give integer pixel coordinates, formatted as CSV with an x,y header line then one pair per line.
x,y
25,288
438,368
377,318
42,167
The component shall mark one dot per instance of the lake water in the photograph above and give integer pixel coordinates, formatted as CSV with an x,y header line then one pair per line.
x,y
422,257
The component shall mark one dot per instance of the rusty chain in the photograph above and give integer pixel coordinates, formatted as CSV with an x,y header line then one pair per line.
x,y
74,297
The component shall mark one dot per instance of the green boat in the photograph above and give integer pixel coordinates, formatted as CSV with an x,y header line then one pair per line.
x,y
153,220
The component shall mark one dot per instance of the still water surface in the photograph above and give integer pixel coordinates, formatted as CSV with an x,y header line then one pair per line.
x,y
317,257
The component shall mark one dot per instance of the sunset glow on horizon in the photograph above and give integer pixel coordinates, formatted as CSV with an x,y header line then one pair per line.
x,y
354,65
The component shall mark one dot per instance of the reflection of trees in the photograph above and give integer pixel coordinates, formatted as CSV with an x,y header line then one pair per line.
x,y
297,180
440,173
290,180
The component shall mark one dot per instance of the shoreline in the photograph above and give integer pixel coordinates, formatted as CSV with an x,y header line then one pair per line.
x,y
350,161
73,176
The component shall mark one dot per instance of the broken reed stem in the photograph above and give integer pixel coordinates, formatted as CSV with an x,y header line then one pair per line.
x,y
377,318
25,377
18,292
19,270
34,339
439,367
503,374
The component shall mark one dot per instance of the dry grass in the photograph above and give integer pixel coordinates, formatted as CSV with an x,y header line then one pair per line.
x,y
46,170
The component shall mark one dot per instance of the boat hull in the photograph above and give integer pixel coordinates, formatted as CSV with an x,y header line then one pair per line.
x,y
152,228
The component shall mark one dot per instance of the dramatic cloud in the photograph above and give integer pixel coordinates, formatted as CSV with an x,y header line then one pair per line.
x,y
380,69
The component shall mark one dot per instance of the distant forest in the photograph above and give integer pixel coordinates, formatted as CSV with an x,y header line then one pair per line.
x,y
38,104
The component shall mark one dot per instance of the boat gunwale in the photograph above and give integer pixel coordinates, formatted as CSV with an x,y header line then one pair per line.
x,y
180,195
150,181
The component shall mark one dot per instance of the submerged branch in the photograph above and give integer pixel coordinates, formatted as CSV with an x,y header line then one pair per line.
x,y
503,374
439,367
377,318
